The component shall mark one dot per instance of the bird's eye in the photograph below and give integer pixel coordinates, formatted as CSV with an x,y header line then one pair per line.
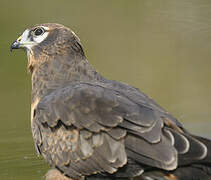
x,y
38,31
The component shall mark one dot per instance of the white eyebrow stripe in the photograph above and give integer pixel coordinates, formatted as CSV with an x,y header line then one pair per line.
x,y
44,27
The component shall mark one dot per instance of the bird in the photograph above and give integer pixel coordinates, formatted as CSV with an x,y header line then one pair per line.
x,y
89,127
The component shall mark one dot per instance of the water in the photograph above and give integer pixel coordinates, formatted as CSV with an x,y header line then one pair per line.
x,y
162,47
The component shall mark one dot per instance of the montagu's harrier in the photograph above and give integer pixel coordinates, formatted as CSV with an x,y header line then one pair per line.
x,y
89,127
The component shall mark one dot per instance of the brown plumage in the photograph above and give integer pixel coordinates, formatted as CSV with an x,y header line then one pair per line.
x,y
86,126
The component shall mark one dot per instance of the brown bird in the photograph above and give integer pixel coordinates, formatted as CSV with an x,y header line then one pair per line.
x,y
88,127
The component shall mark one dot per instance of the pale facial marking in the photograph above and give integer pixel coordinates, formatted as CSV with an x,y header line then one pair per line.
x,y
39,39
25,41
28,39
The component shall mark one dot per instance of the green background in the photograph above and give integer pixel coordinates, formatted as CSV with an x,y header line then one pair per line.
x,y
162,47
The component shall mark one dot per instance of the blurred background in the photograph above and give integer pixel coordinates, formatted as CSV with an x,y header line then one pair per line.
x,y
162,47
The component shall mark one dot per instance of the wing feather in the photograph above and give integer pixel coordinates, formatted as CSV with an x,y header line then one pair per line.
x,y
87,128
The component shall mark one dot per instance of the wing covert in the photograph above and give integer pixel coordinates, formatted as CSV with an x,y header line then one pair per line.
x,y
109,127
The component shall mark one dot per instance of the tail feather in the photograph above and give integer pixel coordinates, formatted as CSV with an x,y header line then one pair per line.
x,y
190,169
182,173
207,143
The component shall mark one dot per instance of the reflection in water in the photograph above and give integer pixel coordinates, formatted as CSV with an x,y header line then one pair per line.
x,y
162,47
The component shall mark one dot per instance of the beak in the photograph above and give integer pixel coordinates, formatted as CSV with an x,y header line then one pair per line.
x,y
16,44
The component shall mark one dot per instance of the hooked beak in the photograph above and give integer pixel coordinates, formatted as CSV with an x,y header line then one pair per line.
x,y
16,44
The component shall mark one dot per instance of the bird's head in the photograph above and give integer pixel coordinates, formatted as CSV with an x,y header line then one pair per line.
x,y
49,41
